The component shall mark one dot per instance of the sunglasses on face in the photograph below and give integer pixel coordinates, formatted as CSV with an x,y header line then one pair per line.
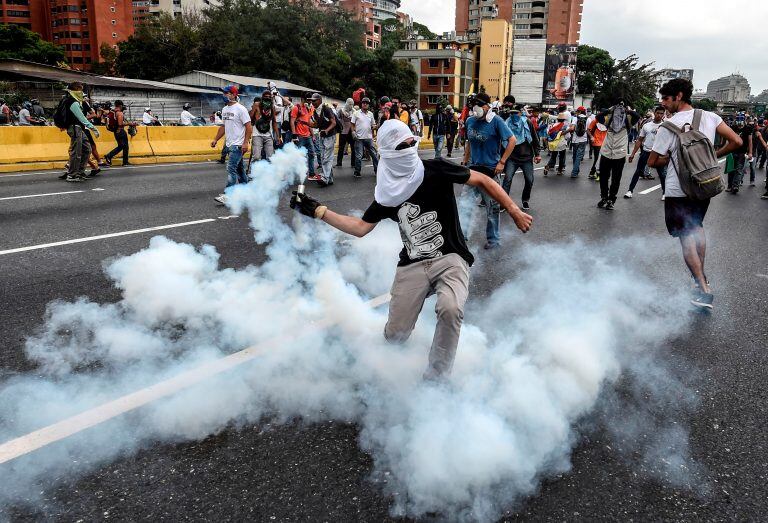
x,y
405,145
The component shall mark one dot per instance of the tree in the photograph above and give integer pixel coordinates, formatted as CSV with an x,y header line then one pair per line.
x,y
593,68
107,66
161,47
22,44
628,81
705,104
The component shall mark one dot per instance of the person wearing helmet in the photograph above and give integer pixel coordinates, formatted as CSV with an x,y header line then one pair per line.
x,y
148,118
418,195
362,129
186,117
37,109
25,117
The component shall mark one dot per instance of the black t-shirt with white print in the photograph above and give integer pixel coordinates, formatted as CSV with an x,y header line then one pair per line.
x,y
428,220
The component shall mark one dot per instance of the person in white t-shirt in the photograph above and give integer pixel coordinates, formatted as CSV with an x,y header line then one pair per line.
x,y
645,141
238,130
148,118
186,117
683,215
579,139
362,129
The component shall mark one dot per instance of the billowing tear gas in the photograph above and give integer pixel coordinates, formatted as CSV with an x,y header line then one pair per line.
x,y
534,359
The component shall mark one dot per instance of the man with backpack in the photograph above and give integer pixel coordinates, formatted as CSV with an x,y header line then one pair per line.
x,y
579,139
326,120
557,142
116,124
684,145
265,130
69,115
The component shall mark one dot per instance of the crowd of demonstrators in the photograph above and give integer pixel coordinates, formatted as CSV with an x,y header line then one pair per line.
x,y
29,113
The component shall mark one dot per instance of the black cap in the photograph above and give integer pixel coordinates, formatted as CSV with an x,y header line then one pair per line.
x,y
482,99
509,99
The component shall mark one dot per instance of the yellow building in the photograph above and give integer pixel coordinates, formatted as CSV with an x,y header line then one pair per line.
x,y
495,58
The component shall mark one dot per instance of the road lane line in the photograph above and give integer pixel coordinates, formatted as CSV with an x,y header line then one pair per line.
x,y
39,195
655,187
115,168
762,276
104,236
67,427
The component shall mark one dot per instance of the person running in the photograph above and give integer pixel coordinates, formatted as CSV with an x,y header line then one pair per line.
x,y
419,196
238,130
266,133
325,123
362,129
557,141
346,137
116,123
613,154
645,142
487,135
526,151
186,118
438,129
579,139
683,215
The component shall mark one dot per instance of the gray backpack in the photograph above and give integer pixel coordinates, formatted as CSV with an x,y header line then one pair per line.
x,y
700,174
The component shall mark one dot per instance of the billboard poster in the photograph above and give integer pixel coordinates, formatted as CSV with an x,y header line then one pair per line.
x,y
559,74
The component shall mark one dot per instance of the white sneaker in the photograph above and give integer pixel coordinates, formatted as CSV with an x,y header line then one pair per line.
x,y
662,197
222,199
628,195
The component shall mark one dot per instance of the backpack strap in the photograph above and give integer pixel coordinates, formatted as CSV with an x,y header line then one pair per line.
x,y
697,114
672,127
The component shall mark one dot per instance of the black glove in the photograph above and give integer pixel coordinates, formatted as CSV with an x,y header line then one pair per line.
x,y
304,203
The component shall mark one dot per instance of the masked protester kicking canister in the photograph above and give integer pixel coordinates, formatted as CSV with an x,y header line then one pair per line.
x,y
419,196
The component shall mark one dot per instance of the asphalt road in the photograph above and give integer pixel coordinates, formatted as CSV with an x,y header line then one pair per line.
x,y
317,472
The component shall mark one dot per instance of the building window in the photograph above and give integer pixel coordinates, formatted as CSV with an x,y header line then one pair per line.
x,y
114,35
112,9
522,26
518,16
434,63
432,80
434,99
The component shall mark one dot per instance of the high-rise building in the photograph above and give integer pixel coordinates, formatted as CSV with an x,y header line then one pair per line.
x,y
145,8
556,21
445,66
363,10
495,57
80,26
731,88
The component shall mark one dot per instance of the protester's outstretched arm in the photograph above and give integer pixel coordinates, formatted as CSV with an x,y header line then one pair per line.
x,y
310,207
494,190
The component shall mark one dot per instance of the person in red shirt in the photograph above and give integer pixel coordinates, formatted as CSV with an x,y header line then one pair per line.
x,y
301,116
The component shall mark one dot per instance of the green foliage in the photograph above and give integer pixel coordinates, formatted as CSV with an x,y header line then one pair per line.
x,y
286,40
705,104
593,68
423,30
23,44
108,60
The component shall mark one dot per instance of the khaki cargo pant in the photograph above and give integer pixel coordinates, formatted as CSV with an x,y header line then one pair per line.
x,y
446,276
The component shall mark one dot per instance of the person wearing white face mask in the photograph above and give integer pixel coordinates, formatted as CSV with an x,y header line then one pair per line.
x,y
487,134
418,195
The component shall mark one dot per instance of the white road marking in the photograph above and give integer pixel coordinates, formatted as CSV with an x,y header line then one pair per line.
x,y
104,236
115,168
67,427
762,276
650,190
39,195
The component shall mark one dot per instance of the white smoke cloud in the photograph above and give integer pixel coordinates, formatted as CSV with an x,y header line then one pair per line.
x,y
546,350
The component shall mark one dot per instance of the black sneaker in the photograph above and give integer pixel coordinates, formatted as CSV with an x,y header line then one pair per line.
x,y
108,161
734,190
357,175
602,203
526,207
609,205
64,177
75,178
703,301
765,196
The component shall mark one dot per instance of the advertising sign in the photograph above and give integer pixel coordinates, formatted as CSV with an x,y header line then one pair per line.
x,y
559,74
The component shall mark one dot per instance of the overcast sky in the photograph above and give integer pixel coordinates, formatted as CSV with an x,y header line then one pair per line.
x,y
713,37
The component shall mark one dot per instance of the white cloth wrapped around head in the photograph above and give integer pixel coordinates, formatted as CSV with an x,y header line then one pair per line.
x,y
400,172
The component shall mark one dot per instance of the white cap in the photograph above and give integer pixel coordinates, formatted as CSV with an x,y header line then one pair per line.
x,y
147,109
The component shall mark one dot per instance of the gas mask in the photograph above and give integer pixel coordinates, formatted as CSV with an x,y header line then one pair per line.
x,y
477,111
266,103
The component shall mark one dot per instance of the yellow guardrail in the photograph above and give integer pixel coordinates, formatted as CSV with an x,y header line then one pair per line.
x,y
33,148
